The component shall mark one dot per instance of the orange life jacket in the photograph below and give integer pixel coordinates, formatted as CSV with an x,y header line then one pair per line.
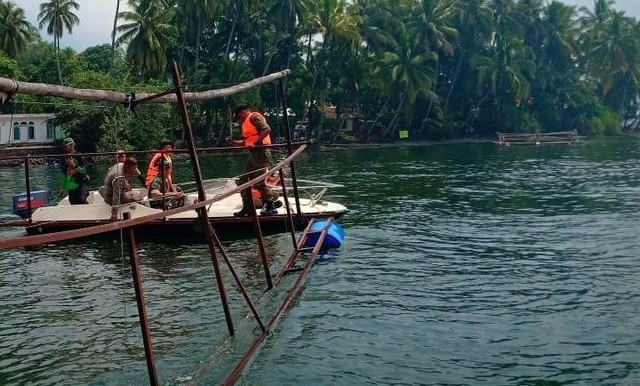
x,y
250,133
155,169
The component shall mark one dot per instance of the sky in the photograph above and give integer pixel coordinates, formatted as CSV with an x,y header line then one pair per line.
x,y
96,19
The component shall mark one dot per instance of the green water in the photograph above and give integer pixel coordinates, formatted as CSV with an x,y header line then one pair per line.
x,y
464,264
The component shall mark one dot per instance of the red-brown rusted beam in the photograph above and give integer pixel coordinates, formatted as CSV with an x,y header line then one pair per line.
x,y
246,359
202,211
27,183
292,167
285,197
263,251
236,278
134,257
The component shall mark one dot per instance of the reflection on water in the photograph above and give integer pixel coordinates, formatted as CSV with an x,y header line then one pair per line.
x,y
464,264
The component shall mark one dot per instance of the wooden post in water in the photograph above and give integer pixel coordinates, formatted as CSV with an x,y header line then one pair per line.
x,y
285,116
27,177
263,251
202,211
142,310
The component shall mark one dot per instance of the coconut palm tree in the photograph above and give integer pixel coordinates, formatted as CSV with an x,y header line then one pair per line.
x,y
431,21
287,15
504,75
113,36
615,53
337,23
15,30
58,15
148,33
409,72
195,14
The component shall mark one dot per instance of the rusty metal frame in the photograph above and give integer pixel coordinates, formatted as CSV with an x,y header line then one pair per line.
x,y
215,246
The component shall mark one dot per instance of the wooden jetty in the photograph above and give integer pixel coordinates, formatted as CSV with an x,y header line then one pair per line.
x,y
508,139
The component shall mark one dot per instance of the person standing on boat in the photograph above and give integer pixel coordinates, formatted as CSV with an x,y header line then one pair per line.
x,y
118,188
161,189
75,180
255,136
159,159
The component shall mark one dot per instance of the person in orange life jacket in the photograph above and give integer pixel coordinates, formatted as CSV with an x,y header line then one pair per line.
x,y
160,187
258,203
163,157
255,135
75,179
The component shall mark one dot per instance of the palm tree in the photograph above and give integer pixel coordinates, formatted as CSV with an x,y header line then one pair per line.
x,y
504,74
474,25
195,14
113,36
409,72
431,21
15,30
615,54
58,15
287,15
559,50
148,33
337,23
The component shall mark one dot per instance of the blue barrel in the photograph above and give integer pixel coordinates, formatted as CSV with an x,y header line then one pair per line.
x,y
333,239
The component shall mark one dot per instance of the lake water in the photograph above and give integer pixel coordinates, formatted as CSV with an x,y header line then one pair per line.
x,y
464,264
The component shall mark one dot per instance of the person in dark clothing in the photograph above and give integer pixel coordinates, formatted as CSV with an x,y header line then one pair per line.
x,y
255,135
75,180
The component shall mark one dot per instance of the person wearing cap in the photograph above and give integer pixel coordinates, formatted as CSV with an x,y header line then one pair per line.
x,y
121,156
158,161
75,180
163,194
256,133
118,187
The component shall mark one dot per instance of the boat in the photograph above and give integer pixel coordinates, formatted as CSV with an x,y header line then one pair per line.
x,y
222,193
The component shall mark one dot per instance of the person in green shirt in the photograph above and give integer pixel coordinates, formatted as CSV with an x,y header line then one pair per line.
x,y
75,180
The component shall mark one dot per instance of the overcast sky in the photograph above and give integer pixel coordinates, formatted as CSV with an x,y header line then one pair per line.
x,y
96,19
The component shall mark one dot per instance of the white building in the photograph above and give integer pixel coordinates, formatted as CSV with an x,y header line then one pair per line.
x,y
24,129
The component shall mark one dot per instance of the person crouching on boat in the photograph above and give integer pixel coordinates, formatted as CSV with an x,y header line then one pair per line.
x,y
118,188
121,156
163,157
162,189
255,135
75,179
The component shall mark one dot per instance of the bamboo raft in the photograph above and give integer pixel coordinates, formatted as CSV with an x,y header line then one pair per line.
x,y
508,139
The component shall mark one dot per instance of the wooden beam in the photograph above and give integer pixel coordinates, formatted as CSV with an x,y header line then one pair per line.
x,y
11,86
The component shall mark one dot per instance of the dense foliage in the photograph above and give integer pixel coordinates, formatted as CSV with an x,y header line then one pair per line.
x,y
437,68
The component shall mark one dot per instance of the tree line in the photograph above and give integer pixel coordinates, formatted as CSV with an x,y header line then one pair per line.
x,y
435,68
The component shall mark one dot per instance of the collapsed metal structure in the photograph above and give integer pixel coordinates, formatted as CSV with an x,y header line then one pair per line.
x,y
216,249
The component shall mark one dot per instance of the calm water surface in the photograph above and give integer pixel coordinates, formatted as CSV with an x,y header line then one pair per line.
x,y
464,264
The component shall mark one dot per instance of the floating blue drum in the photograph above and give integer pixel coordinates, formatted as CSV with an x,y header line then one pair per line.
x,y
333,239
